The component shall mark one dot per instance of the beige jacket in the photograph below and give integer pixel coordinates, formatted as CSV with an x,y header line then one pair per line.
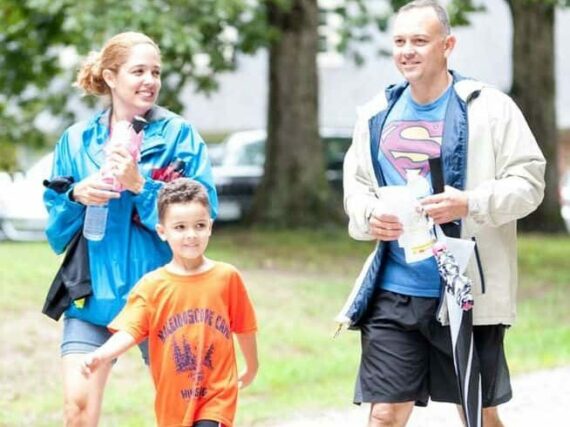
x,y
504,182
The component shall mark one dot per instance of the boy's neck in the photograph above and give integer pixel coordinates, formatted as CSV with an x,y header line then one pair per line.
x,y
190,267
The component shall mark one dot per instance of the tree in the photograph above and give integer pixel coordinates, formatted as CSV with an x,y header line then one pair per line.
x,y
293,190
534,90
198,40
34,33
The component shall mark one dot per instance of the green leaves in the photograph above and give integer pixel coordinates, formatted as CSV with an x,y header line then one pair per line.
x,y
198,40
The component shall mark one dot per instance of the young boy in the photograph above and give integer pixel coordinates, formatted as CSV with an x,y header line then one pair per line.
x,y
189,310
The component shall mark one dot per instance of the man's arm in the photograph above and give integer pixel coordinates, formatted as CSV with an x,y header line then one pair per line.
x,y
359,196
248,345
513,187
518,186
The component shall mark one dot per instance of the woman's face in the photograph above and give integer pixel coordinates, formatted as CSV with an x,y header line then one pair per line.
x,y
136,84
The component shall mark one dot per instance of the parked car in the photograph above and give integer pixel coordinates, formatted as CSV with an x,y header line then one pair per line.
x,y
238,167
565,198
22,212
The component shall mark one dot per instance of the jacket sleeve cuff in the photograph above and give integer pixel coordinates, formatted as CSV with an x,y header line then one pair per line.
x,y
359,223
476,207
150,187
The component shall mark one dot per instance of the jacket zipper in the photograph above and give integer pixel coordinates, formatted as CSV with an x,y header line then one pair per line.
x,y
479,266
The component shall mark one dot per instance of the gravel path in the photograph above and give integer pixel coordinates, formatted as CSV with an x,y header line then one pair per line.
x,y
541,399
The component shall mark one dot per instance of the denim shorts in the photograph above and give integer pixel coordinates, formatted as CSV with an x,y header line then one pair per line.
x,y
80,337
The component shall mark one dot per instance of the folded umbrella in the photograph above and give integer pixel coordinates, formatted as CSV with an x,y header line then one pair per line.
x,y
459,305
451,263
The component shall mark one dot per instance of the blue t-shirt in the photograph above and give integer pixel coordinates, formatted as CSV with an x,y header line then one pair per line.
x,y
411,135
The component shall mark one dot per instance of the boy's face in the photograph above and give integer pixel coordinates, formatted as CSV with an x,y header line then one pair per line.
x,y
187,228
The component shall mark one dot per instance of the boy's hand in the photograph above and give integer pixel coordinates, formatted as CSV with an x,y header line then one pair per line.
x,y
90,363
246,377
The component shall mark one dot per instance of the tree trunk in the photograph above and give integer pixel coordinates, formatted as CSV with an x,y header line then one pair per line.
x,y
293,191
534,90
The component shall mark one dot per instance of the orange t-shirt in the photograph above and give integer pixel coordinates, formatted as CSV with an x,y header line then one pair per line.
x,y
189,321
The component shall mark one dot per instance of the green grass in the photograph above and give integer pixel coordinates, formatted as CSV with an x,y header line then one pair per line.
x,y
298,281
541,336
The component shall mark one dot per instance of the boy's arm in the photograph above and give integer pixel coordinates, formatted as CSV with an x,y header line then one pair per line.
x,y
120,342
248,345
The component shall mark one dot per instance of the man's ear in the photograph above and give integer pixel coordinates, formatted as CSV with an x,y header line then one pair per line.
x,y
160,232
109,77
449,44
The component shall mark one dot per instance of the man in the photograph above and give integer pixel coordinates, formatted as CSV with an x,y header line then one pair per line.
x,y
494,175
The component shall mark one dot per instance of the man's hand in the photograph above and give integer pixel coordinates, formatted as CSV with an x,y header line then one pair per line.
x,y
385,226
446,207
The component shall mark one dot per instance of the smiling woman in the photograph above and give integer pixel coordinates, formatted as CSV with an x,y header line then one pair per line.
x,y
127,73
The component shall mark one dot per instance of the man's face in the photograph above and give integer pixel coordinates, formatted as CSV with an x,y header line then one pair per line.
x,y
420,48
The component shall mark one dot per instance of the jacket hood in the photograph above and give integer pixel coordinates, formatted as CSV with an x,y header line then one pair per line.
x,y
465,88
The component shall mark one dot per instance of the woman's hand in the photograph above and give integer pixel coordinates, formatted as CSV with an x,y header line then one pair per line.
x,y
93,191
124,168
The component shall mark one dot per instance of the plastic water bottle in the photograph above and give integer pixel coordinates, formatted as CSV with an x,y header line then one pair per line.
x,y
129,135
418,184
95,222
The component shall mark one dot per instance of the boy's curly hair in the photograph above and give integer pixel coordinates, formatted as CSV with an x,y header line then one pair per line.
x,y
181,190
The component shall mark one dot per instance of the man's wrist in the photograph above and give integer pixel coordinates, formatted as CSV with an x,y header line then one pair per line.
x,y
473,207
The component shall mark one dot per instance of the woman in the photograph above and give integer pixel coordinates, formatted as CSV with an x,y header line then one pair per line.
x,y
127,72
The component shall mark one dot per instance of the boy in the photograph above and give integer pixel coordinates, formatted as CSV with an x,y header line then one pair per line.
x,y
189,310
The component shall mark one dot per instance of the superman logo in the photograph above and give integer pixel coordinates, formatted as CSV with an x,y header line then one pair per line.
x,y
409,144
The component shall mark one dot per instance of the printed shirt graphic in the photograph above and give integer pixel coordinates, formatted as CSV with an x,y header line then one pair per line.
x,y
189,321
411,135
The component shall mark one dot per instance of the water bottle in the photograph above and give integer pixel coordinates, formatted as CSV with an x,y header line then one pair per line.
x,y
127,134
95,222
418,184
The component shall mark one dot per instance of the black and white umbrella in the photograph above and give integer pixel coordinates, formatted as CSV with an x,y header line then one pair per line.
x,y
459,306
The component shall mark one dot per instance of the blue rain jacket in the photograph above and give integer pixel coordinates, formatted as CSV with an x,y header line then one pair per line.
x,y
131,246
